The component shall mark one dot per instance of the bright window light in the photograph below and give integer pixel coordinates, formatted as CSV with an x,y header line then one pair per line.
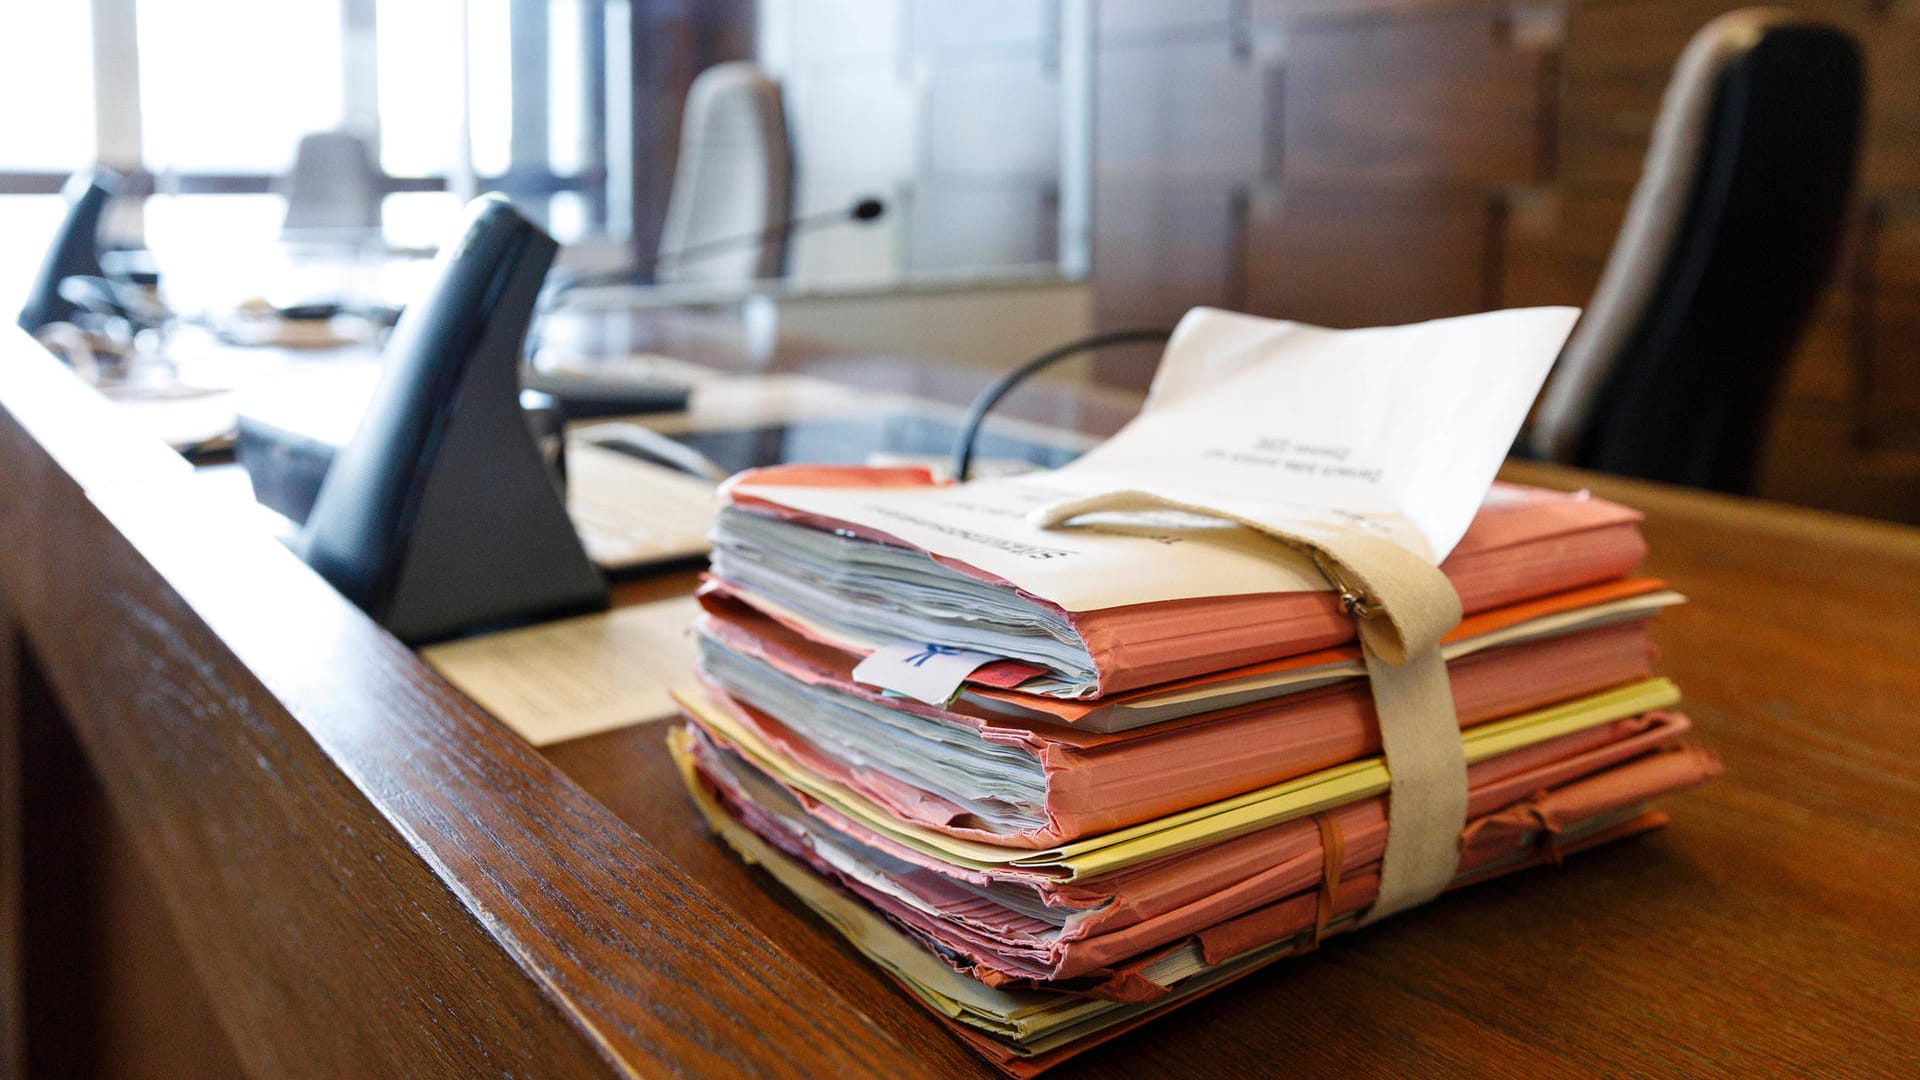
x,y
421,86
490,84
46,85
233,84
28,222
566,89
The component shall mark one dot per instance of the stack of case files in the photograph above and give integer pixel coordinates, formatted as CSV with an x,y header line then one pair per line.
x,y
1122,809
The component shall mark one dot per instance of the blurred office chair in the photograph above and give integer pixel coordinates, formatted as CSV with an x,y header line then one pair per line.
x,y
334,186
441,515
1729,238
733,179
75,251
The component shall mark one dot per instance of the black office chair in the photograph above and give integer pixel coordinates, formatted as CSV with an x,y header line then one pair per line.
x,y
1729,239
75,251
441,516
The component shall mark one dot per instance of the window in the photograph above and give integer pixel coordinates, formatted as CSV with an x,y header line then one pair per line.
x,y
422,76
209,98
231,85
46,79
46,57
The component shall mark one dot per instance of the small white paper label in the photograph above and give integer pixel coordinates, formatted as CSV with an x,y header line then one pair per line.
x,y
929,673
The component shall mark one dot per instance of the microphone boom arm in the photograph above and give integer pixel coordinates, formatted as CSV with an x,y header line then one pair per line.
x,y
866,209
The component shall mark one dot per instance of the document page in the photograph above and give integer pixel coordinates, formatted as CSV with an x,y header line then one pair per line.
x,y
1397,431
562,680
1108,562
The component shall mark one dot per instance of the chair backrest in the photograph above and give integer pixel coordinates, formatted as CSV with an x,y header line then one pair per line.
x,y
75,251
334,186
440,515
1728,240
733,179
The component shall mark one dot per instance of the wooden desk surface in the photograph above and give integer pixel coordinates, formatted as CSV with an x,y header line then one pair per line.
x,y
1771,927
369,875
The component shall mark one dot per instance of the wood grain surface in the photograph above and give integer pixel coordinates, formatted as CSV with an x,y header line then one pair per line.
x,y
1768,930
370,876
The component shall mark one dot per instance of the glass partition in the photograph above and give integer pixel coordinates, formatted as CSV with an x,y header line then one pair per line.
x,y
970,120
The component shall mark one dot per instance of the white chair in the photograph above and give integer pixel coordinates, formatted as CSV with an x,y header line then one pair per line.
x,y
333,187
733,179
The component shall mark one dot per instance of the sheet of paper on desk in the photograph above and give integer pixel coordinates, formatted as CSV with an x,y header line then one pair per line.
x,y
984,524
1395,429
633,513
574,677
1400,428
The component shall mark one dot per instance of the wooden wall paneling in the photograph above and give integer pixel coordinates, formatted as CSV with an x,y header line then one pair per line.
x,y
13,932
1618,59
1890,161
1816,448
1449,95
1822,370
1810,459
1826,368
1892,369
1423,157
1620,55
1343,254
1557,244
152,1017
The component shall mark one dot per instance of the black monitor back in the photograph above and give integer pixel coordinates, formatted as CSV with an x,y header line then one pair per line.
x,y
441,516
75,250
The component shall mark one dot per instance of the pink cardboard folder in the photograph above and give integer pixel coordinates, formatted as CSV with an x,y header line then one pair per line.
x,y
1527,543
1099,782
1136,911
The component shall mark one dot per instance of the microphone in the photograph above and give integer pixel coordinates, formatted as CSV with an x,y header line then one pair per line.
x,y
868,208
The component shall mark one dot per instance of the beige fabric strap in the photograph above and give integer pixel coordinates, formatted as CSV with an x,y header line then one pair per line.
x,y
1427,798
1403,606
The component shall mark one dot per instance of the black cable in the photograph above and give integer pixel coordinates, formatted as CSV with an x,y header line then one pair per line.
x,y
988,398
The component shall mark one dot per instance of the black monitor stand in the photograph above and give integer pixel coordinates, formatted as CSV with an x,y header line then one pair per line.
x,y
75,251
441,517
